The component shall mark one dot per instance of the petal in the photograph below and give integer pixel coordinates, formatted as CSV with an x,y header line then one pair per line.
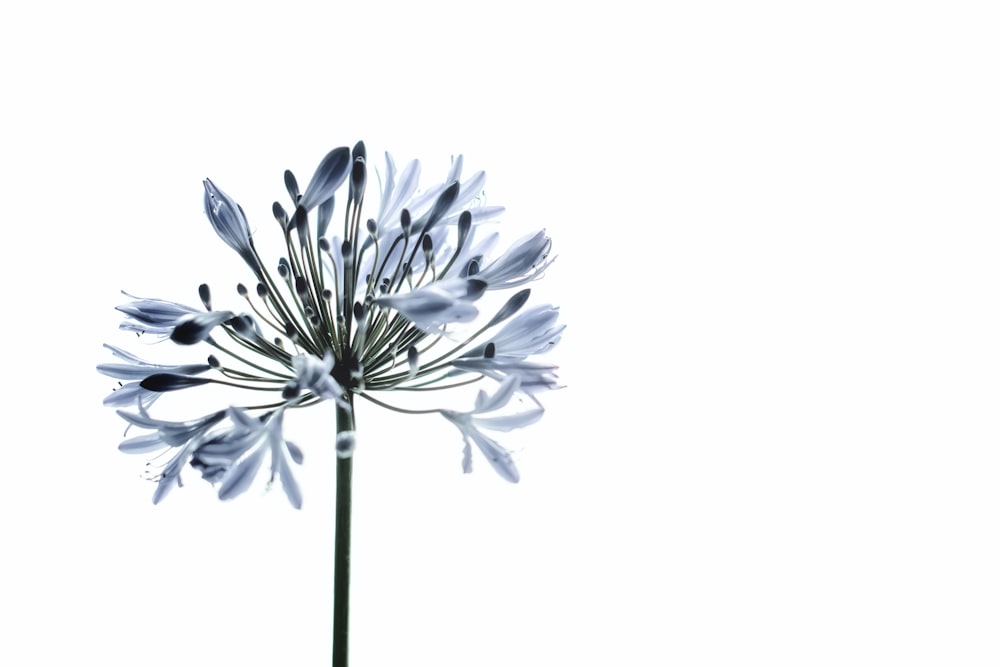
x,y
143,444
506,423
241,475
229,222
498,457
330,174
288,483
501,397
196,328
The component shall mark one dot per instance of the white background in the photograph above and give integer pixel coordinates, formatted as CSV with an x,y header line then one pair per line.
x,y
777,231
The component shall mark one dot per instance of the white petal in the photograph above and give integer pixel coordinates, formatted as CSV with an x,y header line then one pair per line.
x,y
509,422
501,397
143,444
241,475
498,457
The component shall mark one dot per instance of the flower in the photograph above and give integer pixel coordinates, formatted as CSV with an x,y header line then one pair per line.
x,y
388,303
471,424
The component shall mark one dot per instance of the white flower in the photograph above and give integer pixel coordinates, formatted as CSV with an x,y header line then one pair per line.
x,y
523,262
433,306
471,425
152,316
356,310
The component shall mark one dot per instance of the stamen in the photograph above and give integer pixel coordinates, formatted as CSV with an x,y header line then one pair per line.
x,y
206,296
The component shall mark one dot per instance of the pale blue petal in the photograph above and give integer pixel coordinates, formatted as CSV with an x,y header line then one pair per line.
x,y
241,475
143,444
498,457
501,396
507,423
288,483
329,175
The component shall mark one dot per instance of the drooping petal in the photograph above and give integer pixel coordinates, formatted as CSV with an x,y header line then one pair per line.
x,y
279,459
171,474
500,398
288,483
241,475
498,457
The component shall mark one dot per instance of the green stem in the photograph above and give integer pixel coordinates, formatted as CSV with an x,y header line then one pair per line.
x,y
342,541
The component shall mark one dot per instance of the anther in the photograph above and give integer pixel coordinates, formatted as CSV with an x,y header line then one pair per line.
x,y
279,214
206,296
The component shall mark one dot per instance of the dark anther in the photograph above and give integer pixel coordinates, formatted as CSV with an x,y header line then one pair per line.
x,y
301,287
358,178
206,296
292,186
442,205
464,226
474,288
160,382
279,214
243,325
359,151
302,224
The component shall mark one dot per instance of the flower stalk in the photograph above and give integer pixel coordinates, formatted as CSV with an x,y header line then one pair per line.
x,y
342,540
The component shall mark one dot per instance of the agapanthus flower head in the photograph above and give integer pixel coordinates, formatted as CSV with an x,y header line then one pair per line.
x,y
393,302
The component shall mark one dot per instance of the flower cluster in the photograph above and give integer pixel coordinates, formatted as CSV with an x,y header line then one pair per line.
x,y
391,304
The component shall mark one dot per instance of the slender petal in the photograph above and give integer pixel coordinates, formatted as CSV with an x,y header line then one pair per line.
x,y
230,223
523,262
154,316
330,174
435,305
